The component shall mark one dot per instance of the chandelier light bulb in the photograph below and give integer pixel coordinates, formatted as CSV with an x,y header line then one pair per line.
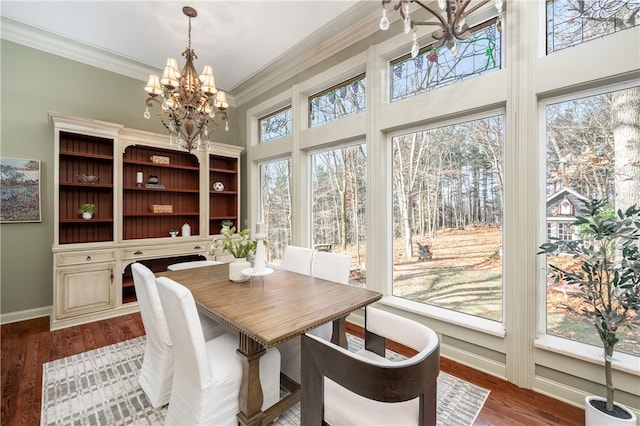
x,y
415,49
384,21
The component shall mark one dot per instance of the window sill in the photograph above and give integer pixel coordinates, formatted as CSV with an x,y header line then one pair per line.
x,y
592,354
471,322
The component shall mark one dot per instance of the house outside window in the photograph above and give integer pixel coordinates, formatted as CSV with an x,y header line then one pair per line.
x,y
588,156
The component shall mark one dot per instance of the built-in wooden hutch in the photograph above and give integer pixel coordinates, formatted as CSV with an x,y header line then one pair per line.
x,y
142,188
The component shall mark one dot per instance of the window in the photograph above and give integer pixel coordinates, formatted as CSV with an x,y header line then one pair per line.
x,y
275,125
565,231
339,101
275,198
447,216
338,186
572,22
591,152
434,68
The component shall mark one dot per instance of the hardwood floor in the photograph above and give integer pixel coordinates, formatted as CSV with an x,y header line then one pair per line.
x,y
26,345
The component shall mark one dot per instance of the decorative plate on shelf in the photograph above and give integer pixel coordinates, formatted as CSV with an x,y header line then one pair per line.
x,y
218,186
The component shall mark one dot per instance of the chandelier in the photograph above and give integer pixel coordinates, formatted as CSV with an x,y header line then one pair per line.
x,y
189,103
453,25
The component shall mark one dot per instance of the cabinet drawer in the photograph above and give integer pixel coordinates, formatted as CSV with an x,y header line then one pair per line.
x,y
195,247
87,257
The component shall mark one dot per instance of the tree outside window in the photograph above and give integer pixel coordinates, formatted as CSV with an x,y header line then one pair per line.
x,y
338,186
593,149
275,201
447,216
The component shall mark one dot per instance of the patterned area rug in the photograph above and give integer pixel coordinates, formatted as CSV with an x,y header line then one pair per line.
x,y
100,387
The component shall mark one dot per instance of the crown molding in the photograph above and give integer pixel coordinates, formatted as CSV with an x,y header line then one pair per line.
x,y
39,39
354,25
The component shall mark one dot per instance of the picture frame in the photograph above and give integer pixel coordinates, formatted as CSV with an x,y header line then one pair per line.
x,y
20,195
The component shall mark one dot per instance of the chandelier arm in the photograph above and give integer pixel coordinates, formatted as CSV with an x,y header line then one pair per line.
x,y
442,23
474,8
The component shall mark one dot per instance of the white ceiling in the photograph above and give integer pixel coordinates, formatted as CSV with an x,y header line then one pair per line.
x,y
239,38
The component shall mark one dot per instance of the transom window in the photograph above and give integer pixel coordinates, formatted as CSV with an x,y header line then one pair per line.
x,y
275,125
433,68
572,22
339,101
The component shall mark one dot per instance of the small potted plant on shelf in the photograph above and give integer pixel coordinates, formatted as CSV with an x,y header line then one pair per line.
x,y
87,211
174,232
608,279
239,245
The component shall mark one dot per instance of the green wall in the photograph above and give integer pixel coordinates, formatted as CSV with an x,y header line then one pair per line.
x,y
32,84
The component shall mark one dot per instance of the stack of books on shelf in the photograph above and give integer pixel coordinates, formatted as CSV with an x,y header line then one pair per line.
x,y
155,185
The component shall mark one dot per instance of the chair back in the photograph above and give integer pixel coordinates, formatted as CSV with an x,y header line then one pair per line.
x,y
344,387
297,259
191,361
155,324
193,264
331,266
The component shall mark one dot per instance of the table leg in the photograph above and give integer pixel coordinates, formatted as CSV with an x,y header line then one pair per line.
x,y
339,333
250,397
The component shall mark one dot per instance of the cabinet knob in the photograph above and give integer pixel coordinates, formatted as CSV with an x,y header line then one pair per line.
x,y
88,258
138,252
197,248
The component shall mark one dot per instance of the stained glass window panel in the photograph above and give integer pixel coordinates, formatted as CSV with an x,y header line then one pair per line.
x,y
572,22
433,68
340,101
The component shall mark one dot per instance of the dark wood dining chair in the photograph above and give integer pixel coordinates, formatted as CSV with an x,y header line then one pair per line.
x,y
340,387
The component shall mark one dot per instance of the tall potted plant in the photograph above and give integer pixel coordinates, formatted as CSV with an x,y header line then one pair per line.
x,y
608,279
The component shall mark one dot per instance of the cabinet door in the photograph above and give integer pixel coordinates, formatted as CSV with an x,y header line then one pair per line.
x,y
84,289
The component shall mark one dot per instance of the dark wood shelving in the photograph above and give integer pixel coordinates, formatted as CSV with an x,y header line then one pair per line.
x,y
83,155
143,188
87,155
223,205
168,166
181,178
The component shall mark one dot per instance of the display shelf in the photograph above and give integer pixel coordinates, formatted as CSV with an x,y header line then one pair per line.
x,y
223,204
84,157
181,180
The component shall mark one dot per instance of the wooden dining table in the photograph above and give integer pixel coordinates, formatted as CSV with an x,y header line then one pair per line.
x,y
266,311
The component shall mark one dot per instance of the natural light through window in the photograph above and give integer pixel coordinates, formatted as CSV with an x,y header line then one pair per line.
x,y
590,154
448,191
339,205
340,101
275,125
275,200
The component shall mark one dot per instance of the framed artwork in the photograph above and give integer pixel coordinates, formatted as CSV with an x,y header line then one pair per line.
x,y
19,190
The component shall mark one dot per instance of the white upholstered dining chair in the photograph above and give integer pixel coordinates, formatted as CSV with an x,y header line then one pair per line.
x,y
365,388
207,375
328,266
157,365
192,264
297,259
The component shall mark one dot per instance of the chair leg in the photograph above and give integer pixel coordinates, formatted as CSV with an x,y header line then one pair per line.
x,y
312,395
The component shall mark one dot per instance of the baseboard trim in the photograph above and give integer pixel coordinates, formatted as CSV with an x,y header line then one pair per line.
x,y
27,314
474,361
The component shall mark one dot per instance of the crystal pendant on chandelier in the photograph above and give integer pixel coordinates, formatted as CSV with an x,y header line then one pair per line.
x,y
189,103
384,21
415,49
